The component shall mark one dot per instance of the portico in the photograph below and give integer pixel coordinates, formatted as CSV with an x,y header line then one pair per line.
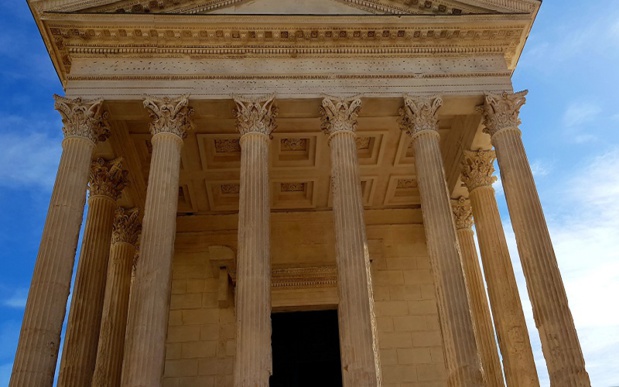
x,y
294,162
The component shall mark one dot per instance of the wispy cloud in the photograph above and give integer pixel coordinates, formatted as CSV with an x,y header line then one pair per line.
x,y
577,117
584,224
29,158
17,299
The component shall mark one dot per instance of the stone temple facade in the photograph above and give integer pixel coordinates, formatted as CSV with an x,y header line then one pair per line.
x,y
251,160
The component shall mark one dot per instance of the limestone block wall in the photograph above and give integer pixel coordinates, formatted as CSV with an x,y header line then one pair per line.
x,y
201,334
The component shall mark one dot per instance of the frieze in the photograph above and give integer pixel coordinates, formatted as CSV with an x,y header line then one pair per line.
x,y
304,277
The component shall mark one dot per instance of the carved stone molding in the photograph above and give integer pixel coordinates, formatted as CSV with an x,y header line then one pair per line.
x,y
169,115
463,213
83,118
500,111
478,169
419,114
127,227
303,277
107,178
255,115
339,114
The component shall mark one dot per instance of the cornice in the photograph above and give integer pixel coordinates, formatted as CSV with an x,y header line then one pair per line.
x,y
214,36
205,6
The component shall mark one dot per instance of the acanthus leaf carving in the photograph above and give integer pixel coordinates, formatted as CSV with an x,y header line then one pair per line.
x,y
83,118
127,226
255,115
463,213
501,111
339,114
478,169
169,115
107,178
419,114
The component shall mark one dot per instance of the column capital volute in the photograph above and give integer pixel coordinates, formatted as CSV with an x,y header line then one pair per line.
x,y
419,114
83,118
463,213
339,114
500,111
478,169
127,226
107,178
169,115
255,115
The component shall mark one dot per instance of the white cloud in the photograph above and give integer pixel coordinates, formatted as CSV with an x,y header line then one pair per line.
x,y
30,157
584,223
17,299
579,113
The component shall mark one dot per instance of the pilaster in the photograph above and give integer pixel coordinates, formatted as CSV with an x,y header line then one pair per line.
x,y
419,120
106,182
357,320
149,300
255,121
478,300
85,123
553,318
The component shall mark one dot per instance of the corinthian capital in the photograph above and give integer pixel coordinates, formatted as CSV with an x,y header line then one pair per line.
x,y
339,114
169,115
419,114
463,213
126,226
500,111
478,169
255,115
83,118
107,178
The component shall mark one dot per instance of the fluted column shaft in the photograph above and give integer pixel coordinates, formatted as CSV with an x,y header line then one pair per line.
x,y
80,345
478,300
357,320
477,174
110,349
553,318
463,364
253,365
149,301
39,340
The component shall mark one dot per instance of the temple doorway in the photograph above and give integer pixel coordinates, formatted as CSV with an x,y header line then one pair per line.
x,y
306,349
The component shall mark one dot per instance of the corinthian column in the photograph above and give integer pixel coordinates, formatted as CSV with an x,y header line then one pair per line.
x,y
357,321
478,301
477,170
111,345
418,119
107,180
255,121
35,361
150,295
553,318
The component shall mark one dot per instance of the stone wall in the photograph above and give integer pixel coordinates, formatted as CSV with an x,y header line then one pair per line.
x,y
201,335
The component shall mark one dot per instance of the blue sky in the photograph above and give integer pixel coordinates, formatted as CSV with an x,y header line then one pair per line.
x,y
570,129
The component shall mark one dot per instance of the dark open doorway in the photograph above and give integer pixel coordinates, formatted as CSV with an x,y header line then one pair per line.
x,y
306,349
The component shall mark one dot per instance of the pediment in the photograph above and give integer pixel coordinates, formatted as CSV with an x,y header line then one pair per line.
x,y
291,7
